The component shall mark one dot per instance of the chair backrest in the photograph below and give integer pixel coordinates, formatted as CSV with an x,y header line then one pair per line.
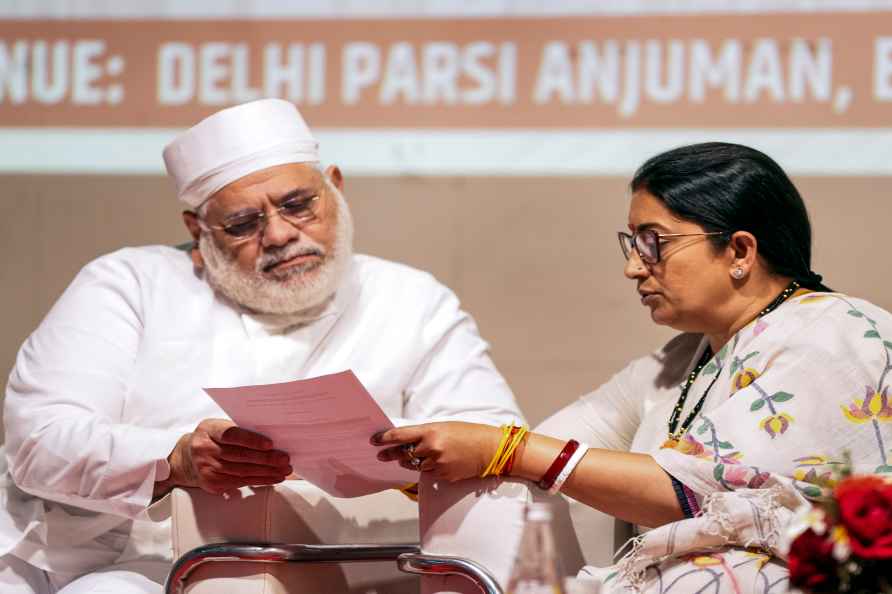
x,y
293,512
477,520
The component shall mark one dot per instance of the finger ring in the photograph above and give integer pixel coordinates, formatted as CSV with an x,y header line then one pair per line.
x,y
414,460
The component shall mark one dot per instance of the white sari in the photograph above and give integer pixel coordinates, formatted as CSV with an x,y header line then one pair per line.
x,y
793,392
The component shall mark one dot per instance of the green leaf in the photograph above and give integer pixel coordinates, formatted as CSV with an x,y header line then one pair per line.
x,y
718,472
871,334
811,491
781,396
855,313
751,355
711,368
702,429
883,469
726,445
757,405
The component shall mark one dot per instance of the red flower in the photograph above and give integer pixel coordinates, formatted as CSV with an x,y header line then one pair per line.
x,y
811,563
865,508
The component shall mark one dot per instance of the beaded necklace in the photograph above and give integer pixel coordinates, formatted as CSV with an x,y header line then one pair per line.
x,y
676,432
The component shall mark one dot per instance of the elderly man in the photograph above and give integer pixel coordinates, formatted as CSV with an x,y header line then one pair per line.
x,y
105,410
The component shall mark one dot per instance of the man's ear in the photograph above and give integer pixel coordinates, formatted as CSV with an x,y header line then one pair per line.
x,y
333,173
190,219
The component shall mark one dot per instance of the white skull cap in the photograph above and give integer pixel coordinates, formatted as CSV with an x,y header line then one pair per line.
x,y
235,142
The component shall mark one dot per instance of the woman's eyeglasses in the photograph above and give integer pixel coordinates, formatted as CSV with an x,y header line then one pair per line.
x,y
647,243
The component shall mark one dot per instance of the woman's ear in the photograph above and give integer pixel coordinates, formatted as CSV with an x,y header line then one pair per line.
x,y
744,250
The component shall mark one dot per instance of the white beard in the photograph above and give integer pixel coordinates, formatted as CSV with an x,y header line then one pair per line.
x,y
296,289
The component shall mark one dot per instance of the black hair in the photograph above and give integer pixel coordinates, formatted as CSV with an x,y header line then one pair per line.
x,y
730,187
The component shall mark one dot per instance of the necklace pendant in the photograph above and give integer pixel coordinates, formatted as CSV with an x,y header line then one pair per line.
x,y
670,443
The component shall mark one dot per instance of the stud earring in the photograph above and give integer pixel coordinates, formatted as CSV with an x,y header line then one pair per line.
x,y
738,273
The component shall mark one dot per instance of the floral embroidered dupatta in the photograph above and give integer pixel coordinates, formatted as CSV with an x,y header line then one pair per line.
x,y
793,392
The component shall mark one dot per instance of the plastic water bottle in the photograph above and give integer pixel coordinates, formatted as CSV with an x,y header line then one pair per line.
x,y
536,568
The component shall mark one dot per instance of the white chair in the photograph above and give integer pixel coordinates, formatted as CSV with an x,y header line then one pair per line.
x,y
292,512
463,541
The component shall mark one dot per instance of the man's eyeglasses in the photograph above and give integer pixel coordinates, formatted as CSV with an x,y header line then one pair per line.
x,y
298,211
647,243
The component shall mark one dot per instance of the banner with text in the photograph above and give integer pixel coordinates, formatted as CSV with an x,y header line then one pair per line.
x,y
817,71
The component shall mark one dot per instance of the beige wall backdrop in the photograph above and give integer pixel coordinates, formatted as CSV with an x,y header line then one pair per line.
x,y
534,259
488,142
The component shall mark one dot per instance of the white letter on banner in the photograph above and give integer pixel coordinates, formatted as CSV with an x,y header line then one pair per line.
x,y
361,67
45,87
439,67
814,70
242,91
87,72
477,71
674,68
400,75
724,70
882,69
277,72
14,72
507,68
764,72
631,93
316,91
599,71
555,74
211,72
176,73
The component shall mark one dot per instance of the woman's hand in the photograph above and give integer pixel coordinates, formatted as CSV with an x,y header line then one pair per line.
x,y
450,450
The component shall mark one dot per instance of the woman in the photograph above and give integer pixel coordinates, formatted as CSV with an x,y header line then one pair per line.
x,y
716,438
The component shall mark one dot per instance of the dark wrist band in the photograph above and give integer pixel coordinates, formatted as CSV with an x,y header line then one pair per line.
x,y
557,466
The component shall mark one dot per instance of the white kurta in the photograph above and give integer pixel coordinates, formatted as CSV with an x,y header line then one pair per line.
x,y
113,377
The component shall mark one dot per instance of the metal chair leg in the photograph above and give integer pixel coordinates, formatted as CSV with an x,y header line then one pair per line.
x,y
424,564
279,553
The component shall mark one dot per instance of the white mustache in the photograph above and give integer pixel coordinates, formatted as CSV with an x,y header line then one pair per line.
x,y
270,258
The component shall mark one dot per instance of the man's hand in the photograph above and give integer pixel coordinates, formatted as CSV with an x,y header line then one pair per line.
x,y
219,457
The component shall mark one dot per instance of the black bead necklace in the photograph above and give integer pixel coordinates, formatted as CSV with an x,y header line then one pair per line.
x,y
675,432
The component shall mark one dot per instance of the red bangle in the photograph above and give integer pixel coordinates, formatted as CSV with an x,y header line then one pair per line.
x,y
558,465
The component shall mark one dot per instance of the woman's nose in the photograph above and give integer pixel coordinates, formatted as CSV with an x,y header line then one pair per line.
x,y
635,267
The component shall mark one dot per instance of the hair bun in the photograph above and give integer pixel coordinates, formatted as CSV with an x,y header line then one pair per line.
x,y
812,277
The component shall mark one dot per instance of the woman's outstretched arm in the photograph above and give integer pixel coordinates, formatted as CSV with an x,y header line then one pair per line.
x,y
632,487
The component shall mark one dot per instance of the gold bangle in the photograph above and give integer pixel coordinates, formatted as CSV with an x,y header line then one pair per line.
x,y
506,433
509,451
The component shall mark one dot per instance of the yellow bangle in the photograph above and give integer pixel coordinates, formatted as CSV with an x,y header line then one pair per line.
x,y
506,433
410,491
507,446
509,451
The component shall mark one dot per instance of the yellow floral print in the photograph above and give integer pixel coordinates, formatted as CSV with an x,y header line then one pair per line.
x,y
776,424
874,407
744,377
